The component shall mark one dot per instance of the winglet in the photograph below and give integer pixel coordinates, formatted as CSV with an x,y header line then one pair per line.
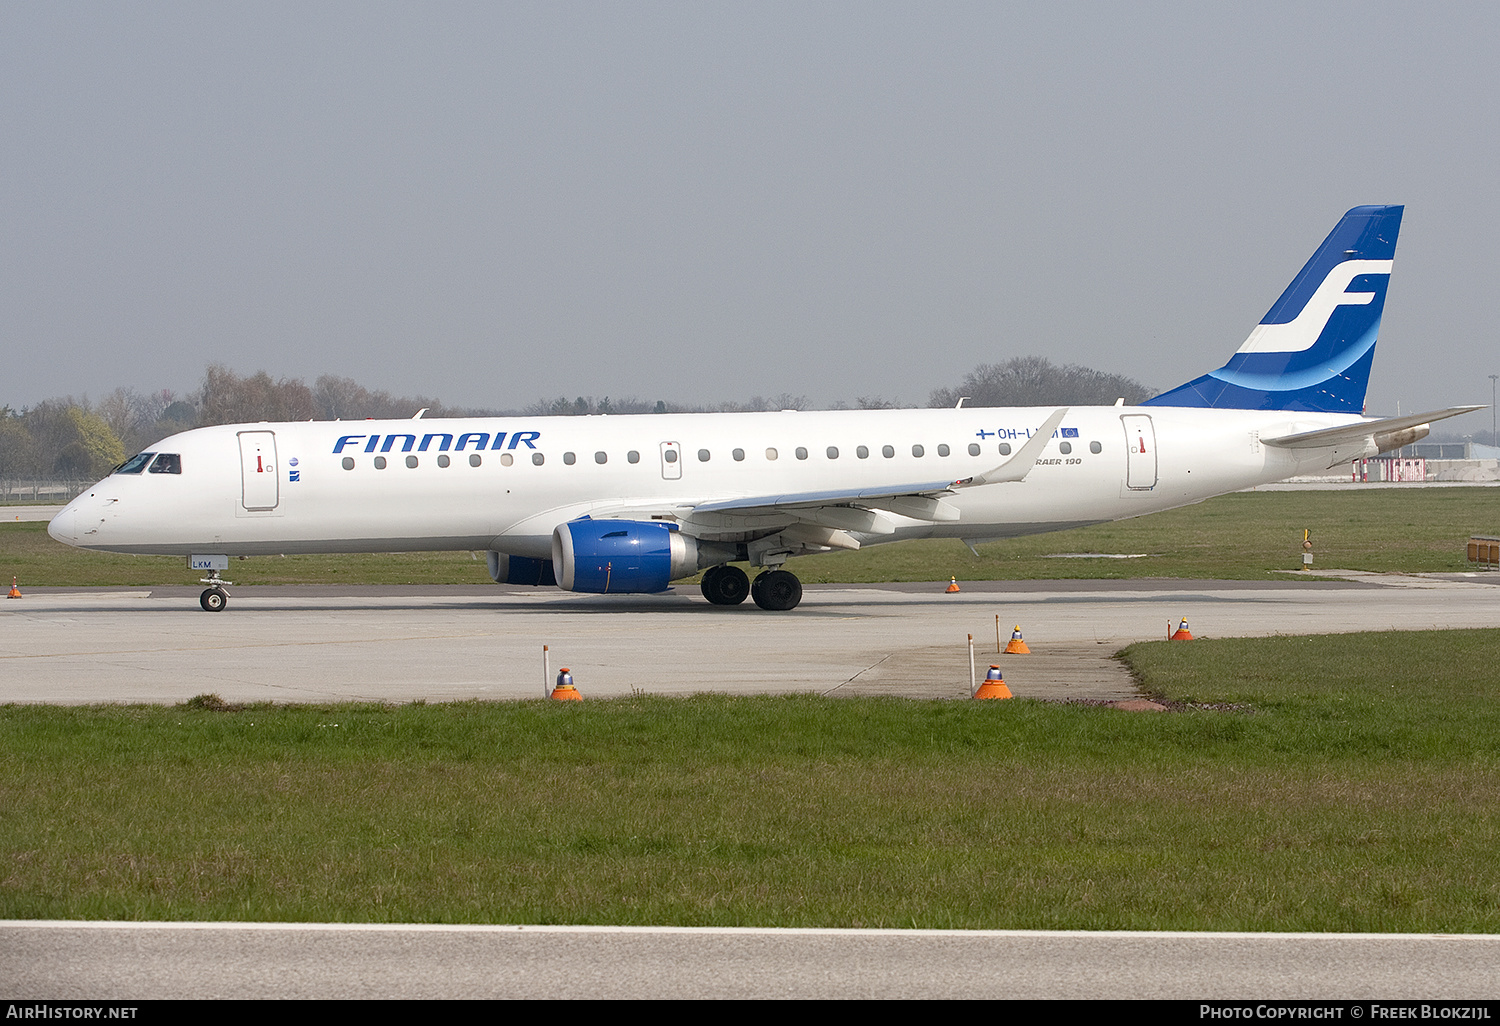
x,y
1018,466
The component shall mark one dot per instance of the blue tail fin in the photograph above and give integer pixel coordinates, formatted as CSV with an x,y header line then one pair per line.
x,y
1313,350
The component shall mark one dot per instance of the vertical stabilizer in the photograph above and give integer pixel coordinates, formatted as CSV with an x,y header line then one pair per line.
x,y
1313,350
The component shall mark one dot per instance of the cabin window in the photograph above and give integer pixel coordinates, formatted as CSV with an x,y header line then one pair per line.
x,y
135,464
348,462
601,458
167,463
443,460
632,457
379,462
670,455
863,452
739,455
833,452
917,450
942,450
703,455
1065,447
1004,448
973,448
1095,448
771,454
888,451
411,462
538,458
569,458
801,453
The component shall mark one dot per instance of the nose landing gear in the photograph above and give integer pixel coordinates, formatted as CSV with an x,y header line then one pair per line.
x,y
214,597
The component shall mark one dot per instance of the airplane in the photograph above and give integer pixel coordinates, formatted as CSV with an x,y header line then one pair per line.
x,y
629,504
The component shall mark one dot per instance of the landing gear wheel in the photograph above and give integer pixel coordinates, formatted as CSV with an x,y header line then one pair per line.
x,y
213,600
725,585
777,590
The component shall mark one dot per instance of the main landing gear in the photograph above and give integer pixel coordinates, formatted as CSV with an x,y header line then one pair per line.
x,y
725,585
776,590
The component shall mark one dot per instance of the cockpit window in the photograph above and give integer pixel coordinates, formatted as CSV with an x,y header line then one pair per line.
x,y
135,464
167,463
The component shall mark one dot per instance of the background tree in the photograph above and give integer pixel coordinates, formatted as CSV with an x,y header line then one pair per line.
x,y
1037,381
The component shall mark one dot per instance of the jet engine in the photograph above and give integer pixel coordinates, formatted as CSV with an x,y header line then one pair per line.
x,y
615,556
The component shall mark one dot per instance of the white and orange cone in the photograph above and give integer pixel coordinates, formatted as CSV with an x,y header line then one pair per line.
x,y
994,685
565,691
1017,644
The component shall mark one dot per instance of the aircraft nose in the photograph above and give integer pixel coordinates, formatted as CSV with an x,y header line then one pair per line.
x,y
64,526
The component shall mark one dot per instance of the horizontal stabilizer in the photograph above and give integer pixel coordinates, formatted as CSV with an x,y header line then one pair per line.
x,y
1354,433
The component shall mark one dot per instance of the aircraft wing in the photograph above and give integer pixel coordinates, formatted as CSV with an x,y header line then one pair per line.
x,y
849,509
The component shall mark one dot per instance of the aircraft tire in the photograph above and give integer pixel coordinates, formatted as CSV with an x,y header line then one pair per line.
x,y
213,600
726,585
777,590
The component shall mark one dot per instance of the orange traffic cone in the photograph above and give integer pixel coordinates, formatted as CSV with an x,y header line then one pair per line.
x,y
15,589
993,686
1017,644
565,691
952,585
1183,634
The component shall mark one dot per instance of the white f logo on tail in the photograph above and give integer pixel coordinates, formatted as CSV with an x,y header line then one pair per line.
x,y
1299,334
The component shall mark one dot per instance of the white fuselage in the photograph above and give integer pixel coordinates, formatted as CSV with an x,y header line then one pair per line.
x,y
267,488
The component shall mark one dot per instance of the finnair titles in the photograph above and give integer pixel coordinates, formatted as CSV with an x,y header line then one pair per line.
x,y
610,505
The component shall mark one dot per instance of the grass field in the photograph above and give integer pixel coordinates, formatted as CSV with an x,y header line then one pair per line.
x,y
1344,783
1248,535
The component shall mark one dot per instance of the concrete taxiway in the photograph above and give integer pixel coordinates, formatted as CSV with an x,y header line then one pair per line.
x,y
134,961
394,644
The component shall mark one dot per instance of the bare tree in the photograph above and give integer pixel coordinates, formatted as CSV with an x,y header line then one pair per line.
x,y
1037,381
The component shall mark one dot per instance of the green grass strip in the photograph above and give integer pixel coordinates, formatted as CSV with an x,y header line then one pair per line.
x,y
1353,786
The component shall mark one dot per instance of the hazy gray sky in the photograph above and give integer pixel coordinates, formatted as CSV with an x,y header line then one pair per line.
x,y
490,203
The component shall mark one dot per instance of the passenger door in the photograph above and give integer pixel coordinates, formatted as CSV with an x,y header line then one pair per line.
x,y
1140,452
260,490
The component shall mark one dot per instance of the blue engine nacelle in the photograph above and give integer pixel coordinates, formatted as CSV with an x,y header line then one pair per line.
x,y
508,569
616,556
